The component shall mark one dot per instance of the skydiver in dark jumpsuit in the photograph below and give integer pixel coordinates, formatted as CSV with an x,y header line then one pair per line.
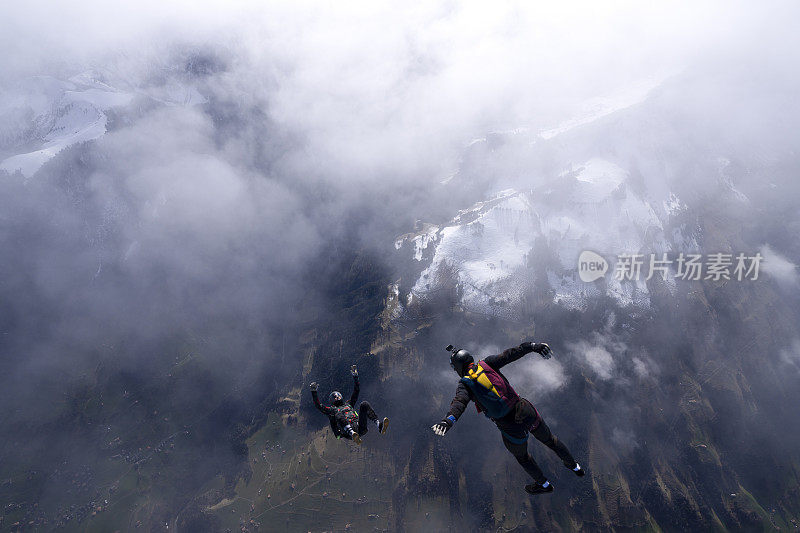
x,y
345,421
514,416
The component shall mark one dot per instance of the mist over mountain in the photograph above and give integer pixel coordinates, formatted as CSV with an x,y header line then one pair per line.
x,y
204,208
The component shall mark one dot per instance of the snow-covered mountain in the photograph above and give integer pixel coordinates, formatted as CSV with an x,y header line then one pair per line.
x,y
490,245
525,241
45,115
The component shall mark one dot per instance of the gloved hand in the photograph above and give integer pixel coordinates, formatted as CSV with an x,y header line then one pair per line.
x,y
543,349
354,371
442,427
539,347
314,386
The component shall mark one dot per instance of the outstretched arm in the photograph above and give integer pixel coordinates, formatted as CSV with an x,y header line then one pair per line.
x,y
459,403
324,408
354,397
457,407
512,354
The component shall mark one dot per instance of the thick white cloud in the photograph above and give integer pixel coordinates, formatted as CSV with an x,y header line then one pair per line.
x,y
597,357
779,267
377,88
537,376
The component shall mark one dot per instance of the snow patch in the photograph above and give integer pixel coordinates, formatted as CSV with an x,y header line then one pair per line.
x,y
485,249
31,162
674,205
487,244
68,112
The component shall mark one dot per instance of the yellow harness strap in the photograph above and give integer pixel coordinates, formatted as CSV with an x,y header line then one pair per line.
x,y
479,376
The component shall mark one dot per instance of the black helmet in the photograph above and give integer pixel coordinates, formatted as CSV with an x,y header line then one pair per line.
x,y
460,360
335,398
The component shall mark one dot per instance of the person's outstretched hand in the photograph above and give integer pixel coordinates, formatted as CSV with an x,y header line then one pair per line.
x,y
539,347
313,386
354,371
442,427
543,349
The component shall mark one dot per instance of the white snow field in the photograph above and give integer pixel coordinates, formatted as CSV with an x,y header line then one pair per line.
x,y
65,112
489,244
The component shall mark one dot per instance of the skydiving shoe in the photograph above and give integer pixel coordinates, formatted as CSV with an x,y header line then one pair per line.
x,y
535,488
355,436
383,425
580,472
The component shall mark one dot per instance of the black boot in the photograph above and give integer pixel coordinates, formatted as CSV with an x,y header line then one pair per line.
x,y
580,472
353,434
539,488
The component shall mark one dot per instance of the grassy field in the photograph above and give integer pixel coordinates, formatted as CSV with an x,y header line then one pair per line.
x,y
304,481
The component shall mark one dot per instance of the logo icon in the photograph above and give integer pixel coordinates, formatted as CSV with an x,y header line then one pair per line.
x,y
591,266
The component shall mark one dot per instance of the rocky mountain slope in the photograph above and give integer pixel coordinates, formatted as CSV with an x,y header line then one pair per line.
x,y
658,386
679,397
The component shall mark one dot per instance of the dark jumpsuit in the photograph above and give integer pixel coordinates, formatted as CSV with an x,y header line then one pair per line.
x,y
514,426
342,415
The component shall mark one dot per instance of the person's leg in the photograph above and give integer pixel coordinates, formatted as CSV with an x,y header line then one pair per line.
x,y
340,421
520,452
546,437
346,428
350,433
365,414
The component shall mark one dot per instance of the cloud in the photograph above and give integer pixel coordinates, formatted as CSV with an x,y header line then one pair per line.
x,y
597,350
791,355
643,367
381,88
326,129
539,377
624,440
779,267
596,356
